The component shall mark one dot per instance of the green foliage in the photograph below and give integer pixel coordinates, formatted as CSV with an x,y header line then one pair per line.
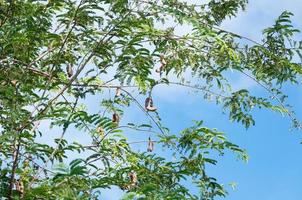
x,y
127,41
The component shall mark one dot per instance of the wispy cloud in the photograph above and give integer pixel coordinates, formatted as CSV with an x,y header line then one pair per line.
x,y
260,14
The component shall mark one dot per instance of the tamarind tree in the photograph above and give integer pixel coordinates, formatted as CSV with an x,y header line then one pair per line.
x,y
56,54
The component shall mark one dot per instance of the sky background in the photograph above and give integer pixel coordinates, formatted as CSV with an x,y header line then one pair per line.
x,y
274,170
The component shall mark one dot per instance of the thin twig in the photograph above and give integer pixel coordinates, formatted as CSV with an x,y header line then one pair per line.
x,y
56,148
290,114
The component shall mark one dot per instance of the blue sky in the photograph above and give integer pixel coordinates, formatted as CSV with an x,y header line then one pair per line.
x,y
274,170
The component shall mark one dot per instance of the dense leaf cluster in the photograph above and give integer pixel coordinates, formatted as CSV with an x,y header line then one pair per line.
x,y
56,54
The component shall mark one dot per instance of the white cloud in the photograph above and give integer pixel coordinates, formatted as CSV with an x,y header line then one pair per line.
x,y
260,14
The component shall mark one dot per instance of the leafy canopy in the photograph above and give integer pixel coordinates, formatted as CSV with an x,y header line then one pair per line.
x,y
56,54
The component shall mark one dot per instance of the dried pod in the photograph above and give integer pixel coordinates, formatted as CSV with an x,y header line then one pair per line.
x,y
149,105
69,70
20,187
133,181
118,92
116,118
14,82
162,60
133,178
101,131
148,102
163,64
150,145
17,184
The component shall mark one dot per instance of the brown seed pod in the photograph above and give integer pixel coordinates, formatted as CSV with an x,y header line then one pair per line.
x,y
162,60
69,70
163,64
101,131
17,184
149,105
133,181
14,82
116,118
150,145
118,92
20,187
133,178
148,102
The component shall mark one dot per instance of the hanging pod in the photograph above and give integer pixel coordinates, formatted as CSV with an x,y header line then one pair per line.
x,y
118,92
69,70
163,64
150,145
20,187
133,181
115,118
14,82
149,105
133,178
101,131
162,60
